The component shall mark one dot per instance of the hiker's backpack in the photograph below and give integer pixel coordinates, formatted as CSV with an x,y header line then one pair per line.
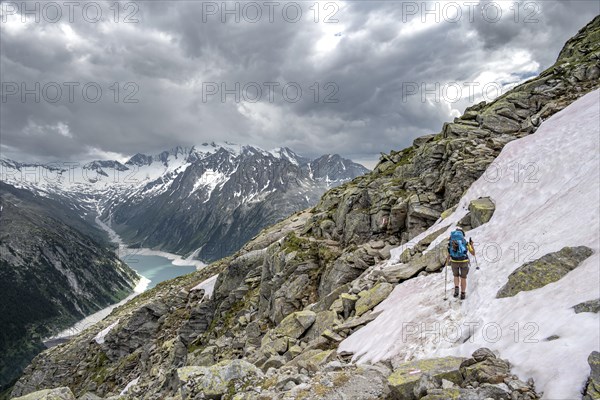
x,y
457,247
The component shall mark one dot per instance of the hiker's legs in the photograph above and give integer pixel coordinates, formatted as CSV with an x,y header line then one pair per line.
x,y
456,273
464,270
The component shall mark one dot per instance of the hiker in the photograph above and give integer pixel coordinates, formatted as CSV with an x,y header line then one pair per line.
x,y
459,260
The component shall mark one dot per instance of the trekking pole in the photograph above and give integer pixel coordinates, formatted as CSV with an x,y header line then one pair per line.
x,y
446,281
474,256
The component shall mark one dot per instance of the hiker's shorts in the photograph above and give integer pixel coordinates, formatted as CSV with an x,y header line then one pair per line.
x,y
460,268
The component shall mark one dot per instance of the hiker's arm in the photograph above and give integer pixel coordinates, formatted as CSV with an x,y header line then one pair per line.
x,y
470,247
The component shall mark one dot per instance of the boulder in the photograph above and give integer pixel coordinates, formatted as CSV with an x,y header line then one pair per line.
x,y
547,269
62,393
481,211
203,357
481,393
591,306
295,324
331,335
274,362
215,381
370,298
360,384
323,321
89,396
273,345
354,322
483,354
349,266
313,360
448,212
406,376
431,261
592,390
490,370
348,302
426,384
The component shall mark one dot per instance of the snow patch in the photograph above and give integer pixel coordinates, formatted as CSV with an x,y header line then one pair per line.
x,y
208,286
102,334
129,385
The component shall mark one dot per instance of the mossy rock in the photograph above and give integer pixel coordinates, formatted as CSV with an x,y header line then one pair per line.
x,y
444,394
370,298
543,271
591,306
448,212
481,211
592,390
62,393
295,324
491,370
215,381
404,378
312,360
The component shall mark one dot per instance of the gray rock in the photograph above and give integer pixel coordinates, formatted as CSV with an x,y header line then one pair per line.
x,y
490,370
213,382
481,211
425,384
407,375
89,396
62,393
591,306
324,320
372,297
295,324
483,354
592,389
276,361
547,269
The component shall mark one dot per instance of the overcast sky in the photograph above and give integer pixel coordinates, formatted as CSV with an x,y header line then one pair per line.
x,y
187,72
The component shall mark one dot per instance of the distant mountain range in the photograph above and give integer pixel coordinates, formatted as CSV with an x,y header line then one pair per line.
x,y
204,201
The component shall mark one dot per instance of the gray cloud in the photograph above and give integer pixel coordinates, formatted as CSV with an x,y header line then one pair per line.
x,y
370,56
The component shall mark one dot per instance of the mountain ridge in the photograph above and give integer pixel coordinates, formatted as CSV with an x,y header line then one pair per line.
x,y
215,183
56,268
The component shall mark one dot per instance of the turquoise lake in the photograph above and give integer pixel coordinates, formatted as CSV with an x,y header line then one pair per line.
x,y
156,268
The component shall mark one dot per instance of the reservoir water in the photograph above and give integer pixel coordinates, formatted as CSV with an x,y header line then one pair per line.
x,y
156,268
153,266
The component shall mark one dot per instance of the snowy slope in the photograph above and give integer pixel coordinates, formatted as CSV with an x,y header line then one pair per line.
x,y
549,204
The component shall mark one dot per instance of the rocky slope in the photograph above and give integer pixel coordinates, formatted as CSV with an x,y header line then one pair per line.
x,y
55,269
207,200
271,325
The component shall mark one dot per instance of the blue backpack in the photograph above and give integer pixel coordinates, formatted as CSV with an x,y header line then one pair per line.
x,y
457,247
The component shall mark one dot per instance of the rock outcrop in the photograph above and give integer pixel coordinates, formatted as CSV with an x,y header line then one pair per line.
x,y
543,271
591,306
62,393
54,270
592,389
481,211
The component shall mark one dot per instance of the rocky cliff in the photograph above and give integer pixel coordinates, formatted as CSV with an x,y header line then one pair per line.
x,y
55,269
271,325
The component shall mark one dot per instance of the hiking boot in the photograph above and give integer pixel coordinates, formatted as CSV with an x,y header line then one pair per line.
x,y
456,291
463,295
